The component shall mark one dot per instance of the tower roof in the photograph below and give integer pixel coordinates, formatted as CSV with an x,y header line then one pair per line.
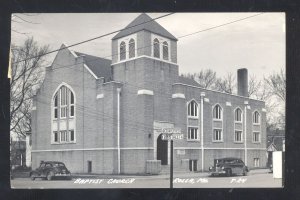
x,y
144,22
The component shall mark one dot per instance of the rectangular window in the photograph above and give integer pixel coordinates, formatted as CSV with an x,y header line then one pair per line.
x,y
256,162
55,136
217,135
64,136
72,138
63,111
256,137
238,136
193,133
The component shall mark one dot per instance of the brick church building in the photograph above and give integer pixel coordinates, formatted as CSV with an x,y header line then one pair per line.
x,y
105,116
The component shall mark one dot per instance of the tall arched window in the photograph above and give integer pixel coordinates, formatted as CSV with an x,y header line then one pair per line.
x,y
63,123
217,112
193,109
156,48
122,51
256,117
238,126
238,115
131,48
165,51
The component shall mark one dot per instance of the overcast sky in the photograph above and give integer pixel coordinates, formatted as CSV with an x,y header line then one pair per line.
x,y
257,43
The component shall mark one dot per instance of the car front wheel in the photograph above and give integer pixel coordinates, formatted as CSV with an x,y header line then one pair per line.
x,y
228,172
50,175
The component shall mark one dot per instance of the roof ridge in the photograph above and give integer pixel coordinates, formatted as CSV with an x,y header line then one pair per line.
x,y
92,55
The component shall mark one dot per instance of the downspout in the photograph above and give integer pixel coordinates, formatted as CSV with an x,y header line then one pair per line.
x,y
118,142
202,137
245,132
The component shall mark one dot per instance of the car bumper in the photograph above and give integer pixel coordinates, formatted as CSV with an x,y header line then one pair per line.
x,y
218,173
62,175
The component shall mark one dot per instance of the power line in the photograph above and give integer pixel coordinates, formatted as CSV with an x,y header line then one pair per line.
x,y
214,27
104,35
183,36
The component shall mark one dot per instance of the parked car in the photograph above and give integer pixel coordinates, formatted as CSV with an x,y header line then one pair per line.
x,y
228,167
49,170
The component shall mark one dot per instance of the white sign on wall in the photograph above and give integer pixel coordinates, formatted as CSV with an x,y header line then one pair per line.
x,y
171,133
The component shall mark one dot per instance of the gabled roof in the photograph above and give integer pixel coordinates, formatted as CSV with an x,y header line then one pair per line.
x,y
272,147
144,22
99,66
277,142
188,81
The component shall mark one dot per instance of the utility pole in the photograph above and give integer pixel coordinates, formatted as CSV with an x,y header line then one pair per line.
x,y
171,167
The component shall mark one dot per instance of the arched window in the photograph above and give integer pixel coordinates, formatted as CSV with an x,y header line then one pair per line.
x,y
63,116
256,117
193,109
131,48
165,51
156,48
217,112
122,51
238,115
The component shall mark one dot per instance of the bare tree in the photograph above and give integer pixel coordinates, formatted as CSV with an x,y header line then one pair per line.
x,y
277,84
226,84
258,89
206,78
254,86
26,76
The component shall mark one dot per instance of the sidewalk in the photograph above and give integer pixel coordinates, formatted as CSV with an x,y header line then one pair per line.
x,y
159,176
176,174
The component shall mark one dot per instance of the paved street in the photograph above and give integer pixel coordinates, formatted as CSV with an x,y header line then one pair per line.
x,y
255,179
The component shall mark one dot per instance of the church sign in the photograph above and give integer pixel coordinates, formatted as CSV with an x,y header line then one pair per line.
x,y
171,134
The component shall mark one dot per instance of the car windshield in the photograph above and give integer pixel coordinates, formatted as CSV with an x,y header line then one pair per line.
x,y
226,161
58,165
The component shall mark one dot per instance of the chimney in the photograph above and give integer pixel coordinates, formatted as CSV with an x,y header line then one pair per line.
x,y
242,76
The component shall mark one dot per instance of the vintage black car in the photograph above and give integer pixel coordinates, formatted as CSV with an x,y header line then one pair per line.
x,y
50,169
228,167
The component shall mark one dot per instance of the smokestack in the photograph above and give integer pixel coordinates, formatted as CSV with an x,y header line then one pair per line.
x,y
242,76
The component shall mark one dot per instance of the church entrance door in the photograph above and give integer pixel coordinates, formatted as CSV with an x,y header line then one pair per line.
x,y
162,150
